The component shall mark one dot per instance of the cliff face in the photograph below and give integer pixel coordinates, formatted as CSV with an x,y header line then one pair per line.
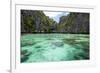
x,y
75,23
36,21
31,20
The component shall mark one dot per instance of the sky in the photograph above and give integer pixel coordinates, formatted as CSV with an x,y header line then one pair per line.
x,y
55,15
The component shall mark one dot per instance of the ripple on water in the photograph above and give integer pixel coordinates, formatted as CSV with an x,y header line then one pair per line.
x,y
60,48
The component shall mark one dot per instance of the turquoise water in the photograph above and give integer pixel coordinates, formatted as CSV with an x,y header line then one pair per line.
x,y
54,47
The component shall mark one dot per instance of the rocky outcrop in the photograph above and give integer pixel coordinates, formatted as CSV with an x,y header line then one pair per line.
x,y
36,21
75,23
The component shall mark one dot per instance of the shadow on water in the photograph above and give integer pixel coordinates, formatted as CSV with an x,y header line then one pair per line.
x,y
25,55
82,48
38,47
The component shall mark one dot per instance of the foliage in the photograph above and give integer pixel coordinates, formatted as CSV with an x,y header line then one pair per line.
x,y
37,21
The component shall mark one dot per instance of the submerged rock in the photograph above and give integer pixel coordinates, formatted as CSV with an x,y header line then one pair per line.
x,y
27,43
58,44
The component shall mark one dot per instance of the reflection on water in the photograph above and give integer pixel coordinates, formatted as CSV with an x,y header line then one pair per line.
x,y
54,47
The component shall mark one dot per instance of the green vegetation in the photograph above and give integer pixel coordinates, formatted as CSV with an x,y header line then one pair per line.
x,y
38,22
75,23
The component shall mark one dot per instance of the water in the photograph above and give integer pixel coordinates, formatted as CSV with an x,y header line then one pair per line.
x,y
54,47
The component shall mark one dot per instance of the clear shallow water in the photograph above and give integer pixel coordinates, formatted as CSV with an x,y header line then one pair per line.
x,y
54,47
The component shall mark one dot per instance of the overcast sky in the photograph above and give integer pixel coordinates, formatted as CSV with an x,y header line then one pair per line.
x,y
55,15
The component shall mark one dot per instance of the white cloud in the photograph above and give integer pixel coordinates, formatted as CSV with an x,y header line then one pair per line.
x,y
66,13
52,14
55,15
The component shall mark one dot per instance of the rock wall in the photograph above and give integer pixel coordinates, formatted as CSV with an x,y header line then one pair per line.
x,y
36,21
75,23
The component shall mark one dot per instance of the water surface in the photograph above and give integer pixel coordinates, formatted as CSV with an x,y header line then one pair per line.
x,y
54,47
